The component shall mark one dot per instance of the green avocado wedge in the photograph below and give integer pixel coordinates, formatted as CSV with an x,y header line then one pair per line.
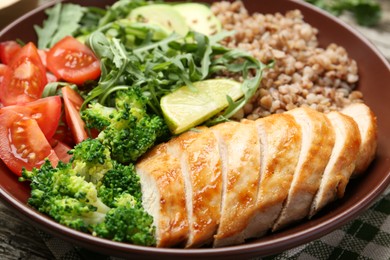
x,y
199,18
162,15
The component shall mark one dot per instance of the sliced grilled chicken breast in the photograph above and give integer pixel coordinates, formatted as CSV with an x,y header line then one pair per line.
x,y
202,169
366,121
341,163
240,153
163,195
280,139
234,181
317,144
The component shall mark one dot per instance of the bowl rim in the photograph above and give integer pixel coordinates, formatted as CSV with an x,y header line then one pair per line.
x,y
257,248
262,248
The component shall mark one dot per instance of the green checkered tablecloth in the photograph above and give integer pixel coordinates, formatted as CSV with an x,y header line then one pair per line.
x,y
366,237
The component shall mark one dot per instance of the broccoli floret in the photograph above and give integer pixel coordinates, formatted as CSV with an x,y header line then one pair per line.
x,y
99,190
132,100
92,193
131,130
91,159
127,222
65,196
97,116
130,138
117,181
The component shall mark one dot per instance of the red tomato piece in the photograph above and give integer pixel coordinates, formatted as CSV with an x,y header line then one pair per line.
x,y
8,49
51,77
72,103
27,79
63,133
72,61
43,55
22,143
46,111
4,69
61,150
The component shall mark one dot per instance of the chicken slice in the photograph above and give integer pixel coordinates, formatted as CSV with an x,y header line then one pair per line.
x,y
240,153
317,144
341,163
202,169
280,139
163,195
366,121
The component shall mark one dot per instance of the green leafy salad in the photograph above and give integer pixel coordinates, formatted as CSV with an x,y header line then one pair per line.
x,y
366,12
146,51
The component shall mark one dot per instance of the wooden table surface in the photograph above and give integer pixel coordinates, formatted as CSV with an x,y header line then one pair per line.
x,y
18,240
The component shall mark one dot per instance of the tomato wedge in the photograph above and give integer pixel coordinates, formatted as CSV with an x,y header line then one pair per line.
x,y
8,49
4,69
46,111
72,61
43,55
63,132
72,103
51,77
61,150
22,143
26,80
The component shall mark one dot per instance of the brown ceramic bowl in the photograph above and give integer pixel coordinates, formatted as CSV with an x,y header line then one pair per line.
x,y
12,9
360,194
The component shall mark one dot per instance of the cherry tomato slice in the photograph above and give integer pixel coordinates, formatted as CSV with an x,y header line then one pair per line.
x,y
61,149
51,77
72,103
63,132
43,55
46,111
27,79
22,143
72,61
4,69
8,49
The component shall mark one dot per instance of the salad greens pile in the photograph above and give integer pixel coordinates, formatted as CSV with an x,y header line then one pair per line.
x,y
136,54
99,191
366,12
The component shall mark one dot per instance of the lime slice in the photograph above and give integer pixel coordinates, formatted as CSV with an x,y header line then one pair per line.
x,y
187,107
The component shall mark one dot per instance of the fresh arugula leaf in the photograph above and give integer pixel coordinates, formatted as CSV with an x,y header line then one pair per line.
x,y
63,20
90,20
159,67
120,9
54,88
50,26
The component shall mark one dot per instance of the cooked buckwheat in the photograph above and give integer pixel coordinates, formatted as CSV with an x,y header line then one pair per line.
x,y
304,74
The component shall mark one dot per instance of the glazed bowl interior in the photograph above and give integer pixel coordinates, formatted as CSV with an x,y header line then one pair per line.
x,y
360,194
12,9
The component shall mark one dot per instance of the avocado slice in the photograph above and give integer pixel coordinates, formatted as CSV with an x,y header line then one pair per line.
x,y
199,18
162,15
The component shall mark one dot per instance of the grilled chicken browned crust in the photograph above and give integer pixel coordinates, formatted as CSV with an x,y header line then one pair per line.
x,y
202,169
280,139
366,121
341,163
163,195
240,155
234,181
316,147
